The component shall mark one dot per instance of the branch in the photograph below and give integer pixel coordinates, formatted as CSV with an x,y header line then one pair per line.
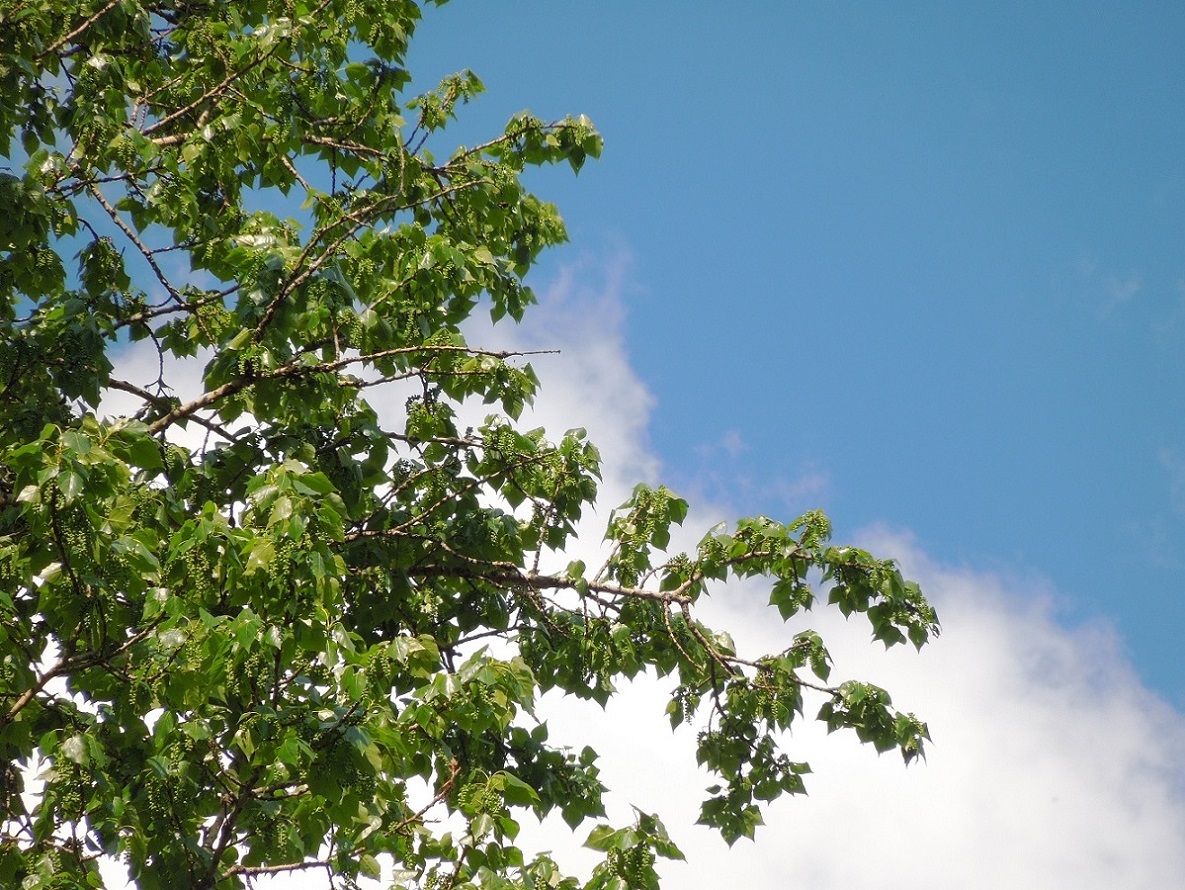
x,y
357,219
445,790
65,666
169,309
185,411
736,659
135,239
455,441
162,401
230,818
314,139
277,869
515,577
324,367
292,369
62,41
505,137
209,94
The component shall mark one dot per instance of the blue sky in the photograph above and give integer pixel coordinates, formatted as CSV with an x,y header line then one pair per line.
x,y
920,264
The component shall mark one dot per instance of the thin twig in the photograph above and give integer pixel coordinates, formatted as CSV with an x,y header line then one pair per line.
x,y
300,370
209,94
135,239
62,41
445,790
65,666
162,401
250,870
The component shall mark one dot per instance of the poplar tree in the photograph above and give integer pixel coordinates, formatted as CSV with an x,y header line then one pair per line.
x,y
277,624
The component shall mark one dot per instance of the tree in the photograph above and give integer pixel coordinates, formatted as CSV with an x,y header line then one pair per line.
x,y
271,627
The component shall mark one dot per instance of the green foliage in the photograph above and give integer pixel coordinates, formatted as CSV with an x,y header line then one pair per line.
x,y
258,652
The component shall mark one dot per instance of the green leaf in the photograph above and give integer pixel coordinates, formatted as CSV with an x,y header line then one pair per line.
x,y
70,485
604,838
259,555
517,792
369,866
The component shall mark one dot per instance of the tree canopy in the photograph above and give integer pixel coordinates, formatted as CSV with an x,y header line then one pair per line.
x,y
298,621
